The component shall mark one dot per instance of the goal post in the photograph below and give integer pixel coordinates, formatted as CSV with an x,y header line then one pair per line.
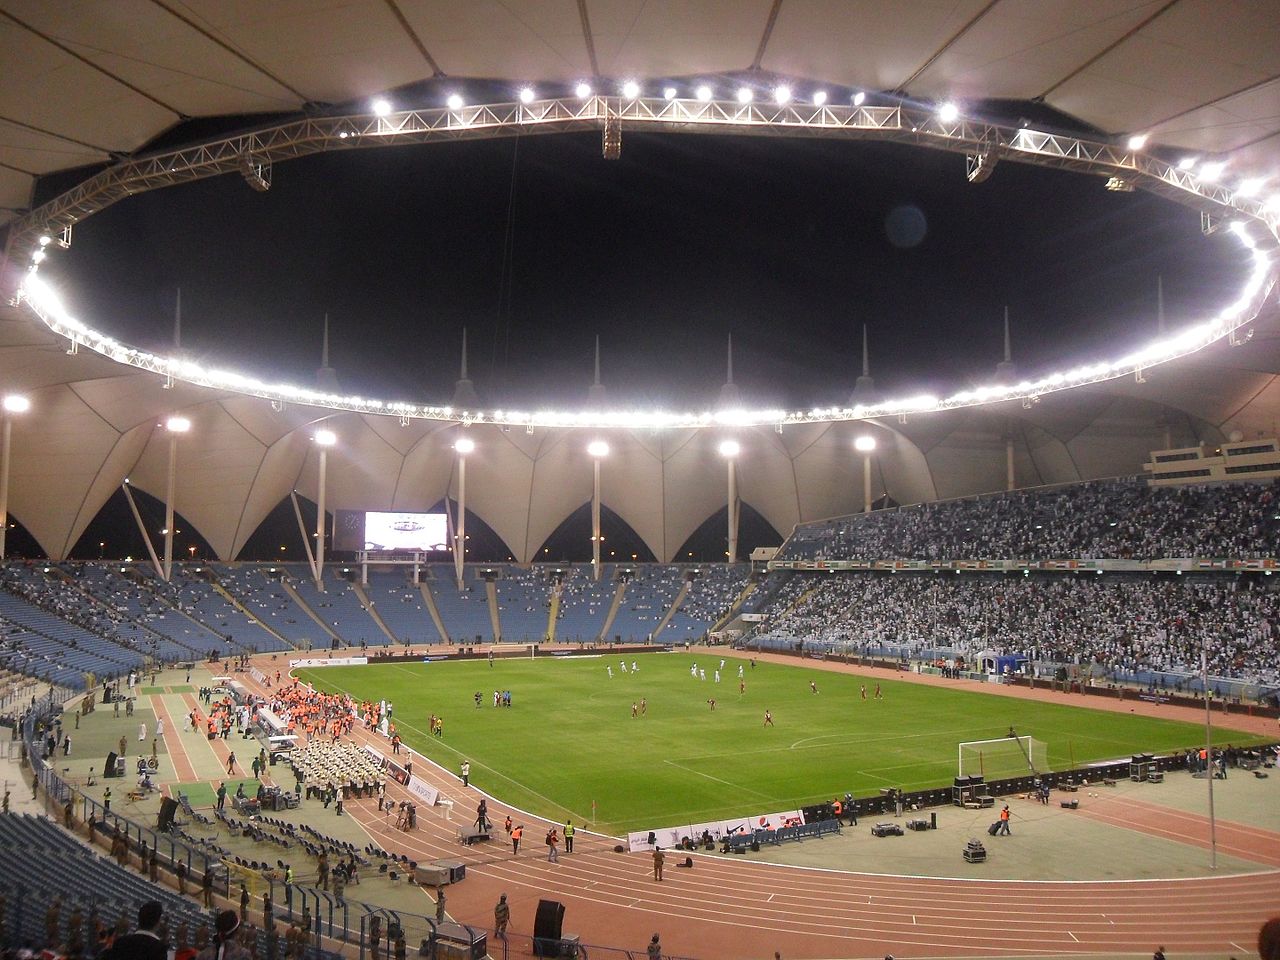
x,y
1004,758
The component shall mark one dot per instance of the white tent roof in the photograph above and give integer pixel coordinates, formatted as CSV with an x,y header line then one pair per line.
x,y
83,81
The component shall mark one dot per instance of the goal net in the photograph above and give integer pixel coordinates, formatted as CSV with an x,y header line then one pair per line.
x,y
1003,759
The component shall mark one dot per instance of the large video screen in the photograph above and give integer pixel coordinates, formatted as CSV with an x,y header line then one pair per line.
x,y
373,530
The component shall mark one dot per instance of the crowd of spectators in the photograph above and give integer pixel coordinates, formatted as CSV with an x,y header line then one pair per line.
x,y
1134,623
1112,519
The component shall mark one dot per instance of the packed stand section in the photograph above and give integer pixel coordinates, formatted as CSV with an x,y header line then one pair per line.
x,y
712,591
1131,623
401,606
524,603
1110,519
584,602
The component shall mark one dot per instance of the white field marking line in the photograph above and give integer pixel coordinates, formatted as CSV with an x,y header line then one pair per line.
x,y
736,786
1238,947
1073,936
845,737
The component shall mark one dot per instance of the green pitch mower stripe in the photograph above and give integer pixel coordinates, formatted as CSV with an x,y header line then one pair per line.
x,y
570,739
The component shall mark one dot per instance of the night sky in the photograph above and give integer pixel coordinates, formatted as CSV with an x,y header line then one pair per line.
x,y
537,245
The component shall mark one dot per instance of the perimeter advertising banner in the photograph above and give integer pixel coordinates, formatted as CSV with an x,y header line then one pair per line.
x,y
670,837
328,662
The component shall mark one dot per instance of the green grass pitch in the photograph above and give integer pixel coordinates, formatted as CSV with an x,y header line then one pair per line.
x,y
569,739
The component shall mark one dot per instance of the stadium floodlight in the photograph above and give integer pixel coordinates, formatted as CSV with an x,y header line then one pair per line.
x,y
598,449
948,112
631,89
782,93
177,425
1212,171
16,403
583,90
38,255
745,95
45,240
455,102
669,93
464,445
1137,141
703,93
859,98
819,98
1250,187
325,438
527,95
1273,203
1186,163
730,448
381,107
864,444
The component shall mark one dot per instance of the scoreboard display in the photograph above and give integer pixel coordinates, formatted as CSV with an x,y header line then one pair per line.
x,y
356,530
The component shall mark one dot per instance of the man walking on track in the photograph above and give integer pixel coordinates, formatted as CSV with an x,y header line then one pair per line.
x,y
658,859
516,834
501,912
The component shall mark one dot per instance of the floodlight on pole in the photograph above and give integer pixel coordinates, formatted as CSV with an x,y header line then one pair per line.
x,y
1186,163
527,95
948,112
1137,141
782,93
859,98
13,403
866,445
176,426
703,93
461,447
324,439
583,90
455,102
598,449
819,98
729,449
631,89
464,445
669,93
381,107
745,95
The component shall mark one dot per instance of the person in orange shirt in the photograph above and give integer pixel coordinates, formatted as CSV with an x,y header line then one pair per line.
x,y
516,834
1004,821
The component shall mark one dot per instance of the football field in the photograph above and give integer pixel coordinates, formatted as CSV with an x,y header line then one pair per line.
x,y
570,747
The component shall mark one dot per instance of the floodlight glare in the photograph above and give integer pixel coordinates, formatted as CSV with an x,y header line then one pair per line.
x,y
819,98
631,89
859,98
1186,163
1212,171
38,256
464,445
669,93
745,95
454,102
598,449
16,403
381,107
45,240
948,112
703,93
1137,141
730,448
177,424
1250,188
326,438
1273,204
864,444
583,90
782,93
527,95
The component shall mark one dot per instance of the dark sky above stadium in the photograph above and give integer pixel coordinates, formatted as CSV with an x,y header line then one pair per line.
x,y
537,245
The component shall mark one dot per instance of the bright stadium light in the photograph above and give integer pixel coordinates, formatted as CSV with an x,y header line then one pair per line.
x,y
45,240
1273,204
1137,141
782,93
381,107
16,403
864,444
745,95
464,445
527,95
1212,171
730,448
455,101
38,256
1186,163
703,93
669,93
631,89
1250,187
177,424
583,90
948,112
819,98
859,98
325,438
598,449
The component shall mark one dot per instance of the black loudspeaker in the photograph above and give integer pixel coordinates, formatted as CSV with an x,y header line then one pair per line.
x,y
168,809
549,920
109,768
